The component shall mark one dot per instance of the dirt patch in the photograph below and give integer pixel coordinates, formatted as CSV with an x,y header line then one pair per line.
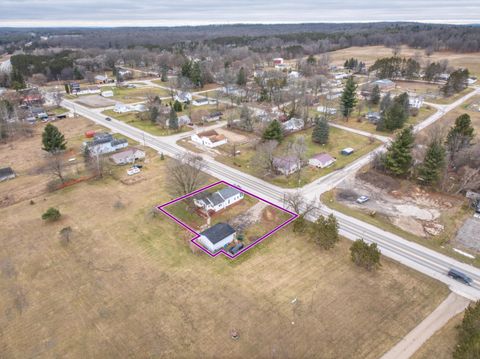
x,y
95,101
468,234
380,180
232,136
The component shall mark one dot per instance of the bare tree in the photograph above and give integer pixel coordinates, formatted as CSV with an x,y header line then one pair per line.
x,y
301,206
469,180
56,165
263,160
186,173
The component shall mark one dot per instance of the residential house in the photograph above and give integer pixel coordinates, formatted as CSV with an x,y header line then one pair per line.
x,y
219,200
327,110
92,90
104,143
293,75
340,75
130,155
321,160
286,165
347,151
204,101
39,112
294,124
209,139
6,173
373,117
107,94
122,108
183,97
385,85
214,116
101,79
277,61
217,236
415,102
184,120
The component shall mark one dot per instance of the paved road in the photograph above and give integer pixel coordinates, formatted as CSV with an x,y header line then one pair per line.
x,y
409,253
449,308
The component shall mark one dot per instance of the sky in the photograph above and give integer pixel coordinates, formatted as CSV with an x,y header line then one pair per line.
x,y
33,13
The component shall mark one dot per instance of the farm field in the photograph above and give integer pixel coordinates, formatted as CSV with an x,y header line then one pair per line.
x,y
339,139
130,286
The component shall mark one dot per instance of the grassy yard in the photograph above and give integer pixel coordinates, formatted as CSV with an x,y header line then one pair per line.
x,y
127,285
146,126
439,244
132,95
339,139
446,100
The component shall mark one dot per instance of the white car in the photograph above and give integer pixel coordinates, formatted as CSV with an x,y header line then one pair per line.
x,y
133,171
362,199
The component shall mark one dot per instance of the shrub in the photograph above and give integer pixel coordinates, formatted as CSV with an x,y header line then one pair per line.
x,y
51,215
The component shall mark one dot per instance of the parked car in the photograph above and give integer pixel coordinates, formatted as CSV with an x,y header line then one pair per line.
x,y
137,166
236,249
133,171
461,277
108,119
363,199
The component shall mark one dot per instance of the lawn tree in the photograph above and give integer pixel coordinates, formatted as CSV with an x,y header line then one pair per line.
x,y
57,98
469,180
246,119
52,139
153,114
457,81
432,167
392,118
262,162
468,335
385,102
301,206
324,231
186,174
375,95
398,159
56,165
51,215
241,77
349,98
365,255
298,148
273,131
173,120
460,136
164,74
177,106
321,131
65,234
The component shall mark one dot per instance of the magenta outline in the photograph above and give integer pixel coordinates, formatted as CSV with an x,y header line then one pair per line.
x,y
197,235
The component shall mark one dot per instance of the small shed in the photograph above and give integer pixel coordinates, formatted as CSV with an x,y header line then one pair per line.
x,y
347,151
217,236
6,173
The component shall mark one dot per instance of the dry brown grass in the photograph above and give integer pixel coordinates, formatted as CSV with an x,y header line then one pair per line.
x,y
442,343
128,286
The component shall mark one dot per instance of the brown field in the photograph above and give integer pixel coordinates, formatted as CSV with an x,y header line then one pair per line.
x,y
442,343
369,54
127,285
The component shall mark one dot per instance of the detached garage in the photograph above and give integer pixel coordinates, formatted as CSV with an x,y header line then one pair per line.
x,y
217,236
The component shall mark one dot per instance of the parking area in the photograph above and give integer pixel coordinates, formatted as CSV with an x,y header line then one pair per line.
x,y
468,234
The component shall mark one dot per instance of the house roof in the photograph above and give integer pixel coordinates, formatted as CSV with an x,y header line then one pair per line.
x,y
323,157
218,232
212,135
6,172
287,162
228,192
124,154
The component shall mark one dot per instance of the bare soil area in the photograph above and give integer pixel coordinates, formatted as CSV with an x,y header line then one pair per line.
x,y
95,101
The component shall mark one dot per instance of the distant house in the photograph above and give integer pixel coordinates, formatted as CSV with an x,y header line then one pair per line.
x,y
292,75
384,85
218,200
104,143
217,236
471,80
214,116
321,160
183,120
278,61
373,117
347,151
183,97
101,79
130,155
286,165
122,108
39,112
6,173
204,101
209,139
107,93
415,102
92,90
340,75
327,110
294,124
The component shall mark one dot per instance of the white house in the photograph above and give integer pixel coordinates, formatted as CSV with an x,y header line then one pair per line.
x,y
107,93
294,124
217,236
88,91
105,143
340,75
218,200
101,79
471,80
130,155
321,160
415,102
286,165
209,139
327,110
204,101
293,75
122,108
183,97
184,120
214,116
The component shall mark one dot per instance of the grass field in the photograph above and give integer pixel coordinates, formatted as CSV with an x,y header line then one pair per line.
x,y
442,343
127,285
339,139
147,126
132,95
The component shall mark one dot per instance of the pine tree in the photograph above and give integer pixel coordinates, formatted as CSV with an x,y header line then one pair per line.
x,y
398,158
460,135
375,95
196,75
241,77
321,131
386,102
52,139
154,114
173,120
164,77
187,69
349,97
365,255
325,231
77,75
177,106
18,82
273,131
433,163
394,117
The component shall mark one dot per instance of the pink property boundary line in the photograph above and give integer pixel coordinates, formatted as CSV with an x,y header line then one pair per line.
x,y
197,235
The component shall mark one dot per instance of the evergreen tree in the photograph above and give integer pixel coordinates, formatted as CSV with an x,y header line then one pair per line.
x,y
386,102
196,75
398,158
154,113
173,120
321,131
375,95
349,97
67,89
365,255
273,131
403,100
164,76
177,106
77,75
457,81
18,82
324,231
468,346
460,135
431,168
241,77
52,139
394,117
187,69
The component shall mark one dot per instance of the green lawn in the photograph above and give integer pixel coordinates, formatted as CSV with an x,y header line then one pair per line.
x,y
453,98
339,139
131,95
146,126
